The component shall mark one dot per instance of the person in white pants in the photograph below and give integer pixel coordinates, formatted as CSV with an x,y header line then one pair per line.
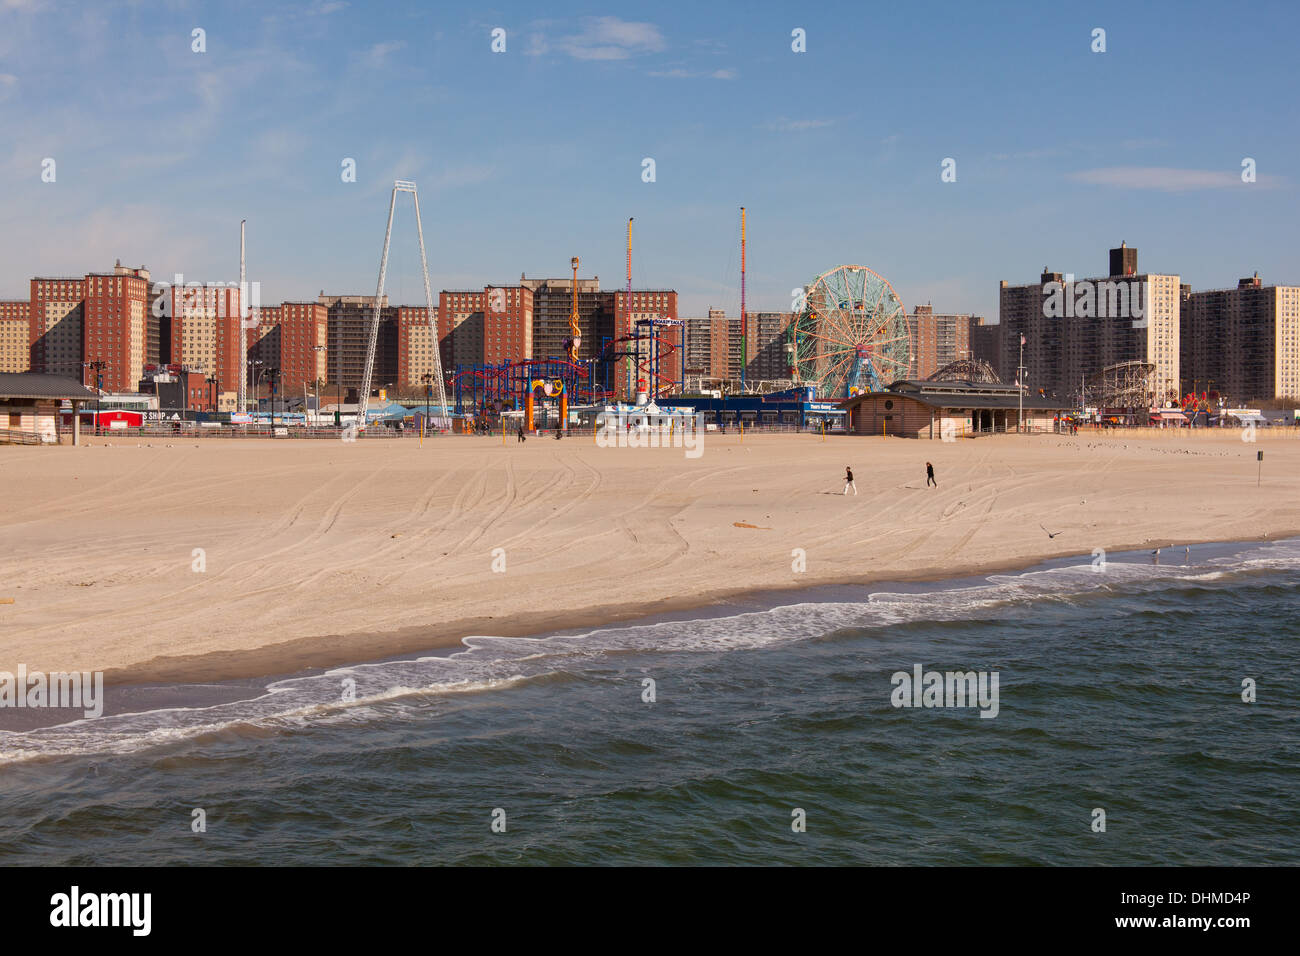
x,y
848,480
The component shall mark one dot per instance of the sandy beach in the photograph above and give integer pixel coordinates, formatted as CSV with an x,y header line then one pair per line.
x,y
167,559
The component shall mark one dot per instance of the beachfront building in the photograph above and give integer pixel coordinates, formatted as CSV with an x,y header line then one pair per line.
x,y
950,409
796,407
1243,343
29,406
1074,328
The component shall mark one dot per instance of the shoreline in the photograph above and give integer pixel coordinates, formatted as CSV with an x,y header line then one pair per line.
x,y
199,563
277,661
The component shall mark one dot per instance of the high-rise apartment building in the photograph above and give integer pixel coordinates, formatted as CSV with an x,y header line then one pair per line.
x,y
55,327
97,328
1075,328
204,333
349,338
303,346
417,338
15,337
986,345
488,326
115,325
622,322
552,305
1242,342
461,325
937,339
717,346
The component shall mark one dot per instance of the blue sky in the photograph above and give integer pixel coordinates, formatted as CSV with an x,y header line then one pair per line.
x,y
528,157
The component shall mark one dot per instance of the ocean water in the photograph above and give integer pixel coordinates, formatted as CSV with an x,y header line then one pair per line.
x,y
1119,690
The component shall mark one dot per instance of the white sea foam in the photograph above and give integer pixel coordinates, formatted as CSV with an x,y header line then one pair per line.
x,y
390,690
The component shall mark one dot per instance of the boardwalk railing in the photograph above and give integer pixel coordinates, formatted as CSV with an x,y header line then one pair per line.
x,y
277,432
12,436
1267,433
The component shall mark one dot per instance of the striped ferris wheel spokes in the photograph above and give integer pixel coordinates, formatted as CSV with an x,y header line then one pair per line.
x,y
852,335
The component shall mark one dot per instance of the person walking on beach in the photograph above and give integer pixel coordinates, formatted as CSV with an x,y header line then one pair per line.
x,y
929,476
521,433
848,480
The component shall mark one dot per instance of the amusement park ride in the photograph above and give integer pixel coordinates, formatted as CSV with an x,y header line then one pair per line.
x,y
485,391
1194,403
363,401
852,334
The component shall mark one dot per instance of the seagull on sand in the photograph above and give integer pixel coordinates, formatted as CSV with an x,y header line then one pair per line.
x,y
1050,534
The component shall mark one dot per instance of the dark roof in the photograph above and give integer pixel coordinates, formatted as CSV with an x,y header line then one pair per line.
x,y
974,398
38,385
914,385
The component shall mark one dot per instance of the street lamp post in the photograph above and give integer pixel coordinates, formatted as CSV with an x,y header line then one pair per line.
x,y
1020,390
273,375
257,381
428,393
99,389
319,381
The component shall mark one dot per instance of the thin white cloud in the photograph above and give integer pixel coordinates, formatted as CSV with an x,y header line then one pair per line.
x,y
1046,152
786,125
1164,178
377,56
602,38
680,73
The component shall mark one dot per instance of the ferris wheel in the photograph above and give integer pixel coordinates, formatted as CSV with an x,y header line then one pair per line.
x,y
852,335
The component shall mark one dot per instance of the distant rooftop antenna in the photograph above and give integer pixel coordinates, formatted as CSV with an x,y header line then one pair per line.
x,y
243,332
363,400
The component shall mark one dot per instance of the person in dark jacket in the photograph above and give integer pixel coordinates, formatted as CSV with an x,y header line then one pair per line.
x,y
848,480
929,476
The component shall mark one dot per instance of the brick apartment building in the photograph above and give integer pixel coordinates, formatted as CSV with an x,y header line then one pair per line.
x,y
417,339
937,339
491,325
530,321
716,347
55,335
101,317
204,338
15,337
646,304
